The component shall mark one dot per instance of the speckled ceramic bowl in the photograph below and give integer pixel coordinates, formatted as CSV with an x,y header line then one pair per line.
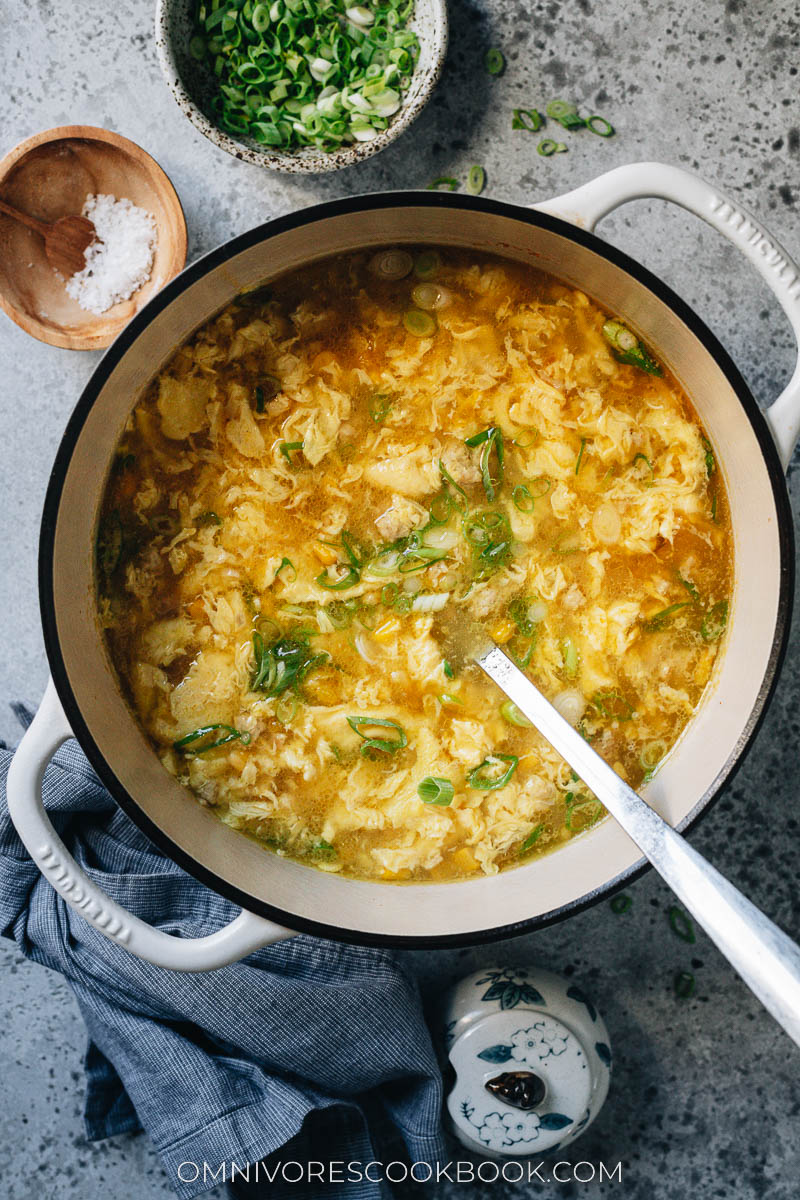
x,y
192,87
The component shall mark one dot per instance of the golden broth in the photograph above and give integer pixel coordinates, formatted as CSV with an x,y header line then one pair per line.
x,y
337,466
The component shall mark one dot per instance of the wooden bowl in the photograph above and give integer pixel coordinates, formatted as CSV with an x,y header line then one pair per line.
x,y
49,176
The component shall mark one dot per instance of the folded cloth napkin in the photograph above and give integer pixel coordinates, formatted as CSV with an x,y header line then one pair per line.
x,y
307,1050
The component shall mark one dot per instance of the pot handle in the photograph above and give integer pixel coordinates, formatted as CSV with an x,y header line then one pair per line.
x,y
48,730
588,204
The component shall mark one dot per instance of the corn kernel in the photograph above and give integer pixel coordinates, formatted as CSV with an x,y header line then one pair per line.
x,y
465,860
403,873
325,554
501,631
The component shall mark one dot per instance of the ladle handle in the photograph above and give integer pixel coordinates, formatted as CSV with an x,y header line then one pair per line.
x,y
767,960
48,730
590,203
33,223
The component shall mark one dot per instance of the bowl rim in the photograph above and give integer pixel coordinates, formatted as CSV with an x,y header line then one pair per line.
x,y
210,262
102,337
315,162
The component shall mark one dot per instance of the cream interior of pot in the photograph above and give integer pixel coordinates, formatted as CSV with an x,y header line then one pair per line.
x,y
586,863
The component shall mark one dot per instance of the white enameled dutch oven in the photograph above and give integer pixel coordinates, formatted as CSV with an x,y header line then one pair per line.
x,y
279,896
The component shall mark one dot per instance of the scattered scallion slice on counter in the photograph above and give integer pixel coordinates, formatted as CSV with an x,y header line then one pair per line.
x,y
628,349
621,904
443,183
387,745
526,118
566,113
681,925
476,180
434,789
495,61
714,622
488,776
531,840
600,126
684,985
197,741
548,147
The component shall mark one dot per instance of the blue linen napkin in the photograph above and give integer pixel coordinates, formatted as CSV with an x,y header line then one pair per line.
x,y
307,1050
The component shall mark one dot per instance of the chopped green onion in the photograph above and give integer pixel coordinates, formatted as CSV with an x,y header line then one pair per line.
x,y
548,147
660,619
610,703
259,400
690,587
621,904
380,406
109,543
450,698
287,562
476,180
531,840
580,456
489,439
463,505
448,670
526,118
286,708
521,650
436,790
443,183
540,486
645,473
600,126
565,112
509,712
531,436
339,582
291,73
714,508
187,744
286,449
585,812
284,663
321,846
681,925
427,264
485,777
714,622
419,323
684,985
495,61
569,654
523,500
628,349
440,507
385,745
207,518
710,461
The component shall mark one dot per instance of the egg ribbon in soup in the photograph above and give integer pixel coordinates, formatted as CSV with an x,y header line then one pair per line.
x,y
340,463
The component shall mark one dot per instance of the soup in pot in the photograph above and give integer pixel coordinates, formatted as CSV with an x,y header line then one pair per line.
x,y
340,467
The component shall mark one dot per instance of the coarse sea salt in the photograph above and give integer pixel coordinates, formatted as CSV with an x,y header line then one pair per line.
x,y
120,259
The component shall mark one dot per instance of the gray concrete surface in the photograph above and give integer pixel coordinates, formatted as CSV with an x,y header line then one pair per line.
x,y
705,1098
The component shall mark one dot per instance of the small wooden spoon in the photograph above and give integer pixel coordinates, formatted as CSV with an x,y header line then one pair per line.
x,y
65,240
